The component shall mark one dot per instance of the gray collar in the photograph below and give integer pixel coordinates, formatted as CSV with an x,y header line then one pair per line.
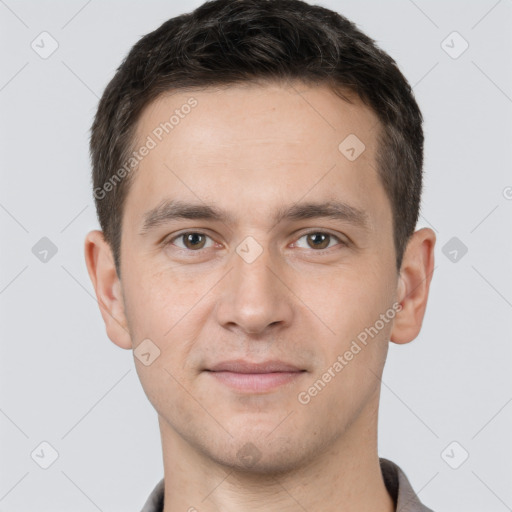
x,y
398,486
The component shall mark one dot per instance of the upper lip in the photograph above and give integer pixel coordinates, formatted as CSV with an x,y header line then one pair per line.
x,y
242,366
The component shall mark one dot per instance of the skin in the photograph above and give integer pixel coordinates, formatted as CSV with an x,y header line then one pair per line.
x,y
250,150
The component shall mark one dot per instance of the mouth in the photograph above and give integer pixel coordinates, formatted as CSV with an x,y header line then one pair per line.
x,y
244,376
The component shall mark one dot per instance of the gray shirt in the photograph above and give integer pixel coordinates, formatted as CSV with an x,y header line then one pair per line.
x,y
396,482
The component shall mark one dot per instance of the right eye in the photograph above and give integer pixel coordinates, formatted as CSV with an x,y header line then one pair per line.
x,y
192,241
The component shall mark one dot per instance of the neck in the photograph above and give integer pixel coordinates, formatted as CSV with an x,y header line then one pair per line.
x,y
345,477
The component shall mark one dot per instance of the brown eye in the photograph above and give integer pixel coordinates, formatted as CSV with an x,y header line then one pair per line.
x,y
192,241
318,240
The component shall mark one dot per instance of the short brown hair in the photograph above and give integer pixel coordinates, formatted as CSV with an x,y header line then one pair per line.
x,y
226,42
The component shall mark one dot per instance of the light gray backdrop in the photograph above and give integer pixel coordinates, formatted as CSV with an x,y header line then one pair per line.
x,y
445,397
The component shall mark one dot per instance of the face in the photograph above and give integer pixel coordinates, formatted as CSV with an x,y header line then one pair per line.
x,y
257,255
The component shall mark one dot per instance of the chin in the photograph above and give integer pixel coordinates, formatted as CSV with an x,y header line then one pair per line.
x,y
256,455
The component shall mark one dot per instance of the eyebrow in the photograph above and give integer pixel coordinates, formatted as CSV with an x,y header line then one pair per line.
x,y
169,210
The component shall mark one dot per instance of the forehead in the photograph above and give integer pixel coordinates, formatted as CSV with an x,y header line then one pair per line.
x,y
255,144
261,114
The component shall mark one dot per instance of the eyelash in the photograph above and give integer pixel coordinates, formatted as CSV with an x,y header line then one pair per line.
x,y
315,232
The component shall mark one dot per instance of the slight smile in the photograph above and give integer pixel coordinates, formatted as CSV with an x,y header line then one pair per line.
x,y
250,377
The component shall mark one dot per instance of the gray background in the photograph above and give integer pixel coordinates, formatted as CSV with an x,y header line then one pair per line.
x,y
64,382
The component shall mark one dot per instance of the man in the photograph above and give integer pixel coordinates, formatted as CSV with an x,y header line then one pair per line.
x,y
257,170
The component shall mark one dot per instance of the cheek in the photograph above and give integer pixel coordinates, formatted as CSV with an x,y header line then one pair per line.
x,y
160,308
169,310
353,302
156,303
355,353
164,386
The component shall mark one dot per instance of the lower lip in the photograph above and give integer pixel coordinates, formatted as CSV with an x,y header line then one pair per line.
x,y
255,382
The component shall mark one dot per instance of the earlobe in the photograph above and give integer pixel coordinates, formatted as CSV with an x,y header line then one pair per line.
x,y
103,274
413,286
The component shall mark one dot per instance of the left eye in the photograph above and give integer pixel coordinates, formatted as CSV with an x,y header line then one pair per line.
x,y
319,240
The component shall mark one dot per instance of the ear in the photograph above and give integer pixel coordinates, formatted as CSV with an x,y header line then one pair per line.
x,y
413,286
103,274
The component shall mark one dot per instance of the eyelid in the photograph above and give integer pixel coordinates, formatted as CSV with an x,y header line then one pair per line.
x,y
297,236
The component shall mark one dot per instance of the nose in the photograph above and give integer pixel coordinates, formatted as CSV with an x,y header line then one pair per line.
x,y
253,297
